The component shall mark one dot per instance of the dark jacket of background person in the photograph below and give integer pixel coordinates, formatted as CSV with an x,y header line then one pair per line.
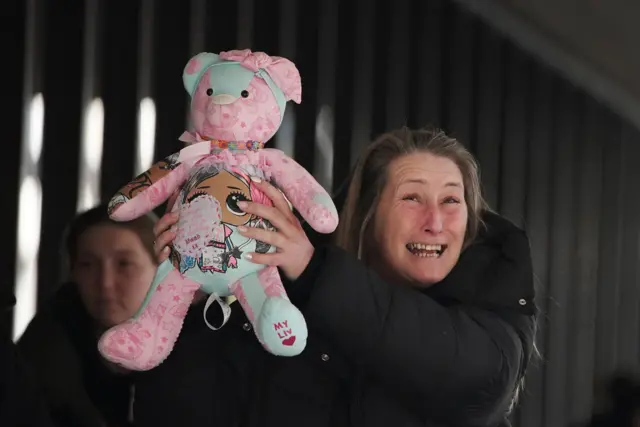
x,y
60,345
82,391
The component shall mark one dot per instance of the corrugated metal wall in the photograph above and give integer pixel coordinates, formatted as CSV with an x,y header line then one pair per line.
x,y
553,159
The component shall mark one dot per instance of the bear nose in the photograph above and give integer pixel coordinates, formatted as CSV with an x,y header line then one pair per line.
x,y
223,99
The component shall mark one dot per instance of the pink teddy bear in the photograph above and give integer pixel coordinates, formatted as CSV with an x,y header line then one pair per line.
x,y
238,103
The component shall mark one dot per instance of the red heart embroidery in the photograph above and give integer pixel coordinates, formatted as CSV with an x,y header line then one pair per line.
x,y
289,341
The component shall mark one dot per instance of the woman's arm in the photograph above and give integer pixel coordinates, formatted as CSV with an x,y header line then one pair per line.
x,y
462,354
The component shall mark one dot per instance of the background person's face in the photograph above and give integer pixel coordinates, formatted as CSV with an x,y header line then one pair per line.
x,y
421,219
113,272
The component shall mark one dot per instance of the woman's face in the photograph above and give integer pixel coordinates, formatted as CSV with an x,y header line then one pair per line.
x,y
113,272
421,220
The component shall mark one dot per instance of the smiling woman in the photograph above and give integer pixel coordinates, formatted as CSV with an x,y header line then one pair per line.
x,y
413,205
420,223
411,164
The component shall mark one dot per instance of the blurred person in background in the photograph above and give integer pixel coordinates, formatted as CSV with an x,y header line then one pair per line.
x,y
111,266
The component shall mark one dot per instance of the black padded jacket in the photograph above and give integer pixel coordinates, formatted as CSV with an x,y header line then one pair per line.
x,y
379,354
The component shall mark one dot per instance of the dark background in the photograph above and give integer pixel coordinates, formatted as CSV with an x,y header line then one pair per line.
x,y
553,159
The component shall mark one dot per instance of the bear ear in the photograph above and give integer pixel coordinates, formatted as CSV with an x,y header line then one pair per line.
x,y
196,67
287,77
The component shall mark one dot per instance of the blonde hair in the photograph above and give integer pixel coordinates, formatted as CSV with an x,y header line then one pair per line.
x,y
370,177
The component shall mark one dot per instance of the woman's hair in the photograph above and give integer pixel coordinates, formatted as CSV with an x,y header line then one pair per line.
x,y
371,174
142,226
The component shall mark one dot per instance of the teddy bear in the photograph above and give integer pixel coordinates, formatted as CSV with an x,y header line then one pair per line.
x,y
238,100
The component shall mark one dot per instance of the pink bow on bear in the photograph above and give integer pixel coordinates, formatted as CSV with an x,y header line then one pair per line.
x,y
281,70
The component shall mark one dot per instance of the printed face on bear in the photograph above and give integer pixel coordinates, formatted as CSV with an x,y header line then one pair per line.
x,y
218,112
226,187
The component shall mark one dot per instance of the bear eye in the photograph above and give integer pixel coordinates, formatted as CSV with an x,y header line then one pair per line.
x,y
244,94
209,92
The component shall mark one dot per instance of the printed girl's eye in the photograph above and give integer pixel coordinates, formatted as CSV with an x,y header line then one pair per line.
x,y
195,195
232,203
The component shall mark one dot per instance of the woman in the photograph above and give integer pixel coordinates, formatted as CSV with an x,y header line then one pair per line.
x,y
422,313
111,266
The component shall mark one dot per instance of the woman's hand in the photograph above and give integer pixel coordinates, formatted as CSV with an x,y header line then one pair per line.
x,y
164,236
293,248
